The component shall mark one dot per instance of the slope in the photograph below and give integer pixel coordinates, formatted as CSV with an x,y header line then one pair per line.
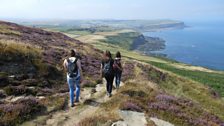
x,y
32,84
31,73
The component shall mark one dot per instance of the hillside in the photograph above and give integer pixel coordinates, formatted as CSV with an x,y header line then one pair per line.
x,y
31,70
33,89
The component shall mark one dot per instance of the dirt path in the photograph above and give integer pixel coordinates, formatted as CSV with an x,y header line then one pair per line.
x,y
72,116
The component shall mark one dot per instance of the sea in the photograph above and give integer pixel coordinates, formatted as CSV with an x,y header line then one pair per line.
x,y
199,44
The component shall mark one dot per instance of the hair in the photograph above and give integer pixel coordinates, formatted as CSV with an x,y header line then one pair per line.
x,y
108,54
72,53
118,54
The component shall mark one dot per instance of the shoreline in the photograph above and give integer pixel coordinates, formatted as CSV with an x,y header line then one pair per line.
x,y
162,54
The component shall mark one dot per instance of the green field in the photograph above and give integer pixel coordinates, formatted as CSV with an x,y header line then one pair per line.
x,y
124,40
213,80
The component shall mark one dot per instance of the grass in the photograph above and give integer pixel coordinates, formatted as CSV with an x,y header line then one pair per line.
x,y
124,40
8,31
12,50
3,74
18,48
88,83
125,53
213,80
54,103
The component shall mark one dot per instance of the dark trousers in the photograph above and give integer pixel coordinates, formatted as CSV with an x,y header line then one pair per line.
x,y
118,79
109,80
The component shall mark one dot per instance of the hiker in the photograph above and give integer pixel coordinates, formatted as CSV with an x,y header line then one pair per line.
x,y
107,71
117,69
72,65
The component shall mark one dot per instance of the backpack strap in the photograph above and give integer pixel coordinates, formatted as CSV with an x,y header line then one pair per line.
x,y
76,60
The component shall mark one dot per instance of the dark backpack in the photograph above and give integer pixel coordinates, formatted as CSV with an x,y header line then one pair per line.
x,y
108,68
72,68
117,62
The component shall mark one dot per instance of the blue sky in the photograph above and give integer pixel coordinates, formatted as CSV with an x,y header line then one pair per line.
x,y
112,9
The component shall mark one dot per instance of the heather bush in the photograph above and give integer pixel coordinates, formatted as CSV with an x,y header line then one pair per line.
x,y
91,67
19,90
133,93
128,71
19,111
45,92
181,109
131,106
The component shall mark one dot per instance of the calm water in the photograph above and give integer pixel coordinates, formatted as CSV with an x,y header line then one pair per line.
x,y
201,44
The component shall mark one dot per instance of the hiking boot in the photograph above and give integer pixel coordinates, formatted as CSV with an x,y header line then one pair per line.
x,y
77,101
72,105
110,95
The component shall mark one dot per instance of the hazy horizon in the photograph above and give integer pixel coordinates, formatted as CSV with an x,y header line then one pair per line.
x,y
116,9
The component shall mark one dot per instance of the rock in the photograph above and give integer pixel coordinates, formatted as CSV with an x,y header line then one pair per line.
x,y
119,123
12,76
17,98
99,87
160,122
40,97
133,118
31,88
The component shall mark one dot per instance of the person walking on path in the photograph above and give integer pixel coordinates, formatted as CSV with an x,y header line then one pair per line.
x,y
108,71
72,65
117,69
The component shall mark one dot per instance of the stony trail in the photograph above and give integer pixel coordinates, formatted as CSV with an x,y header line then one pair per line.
x,y
88,106
72,116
